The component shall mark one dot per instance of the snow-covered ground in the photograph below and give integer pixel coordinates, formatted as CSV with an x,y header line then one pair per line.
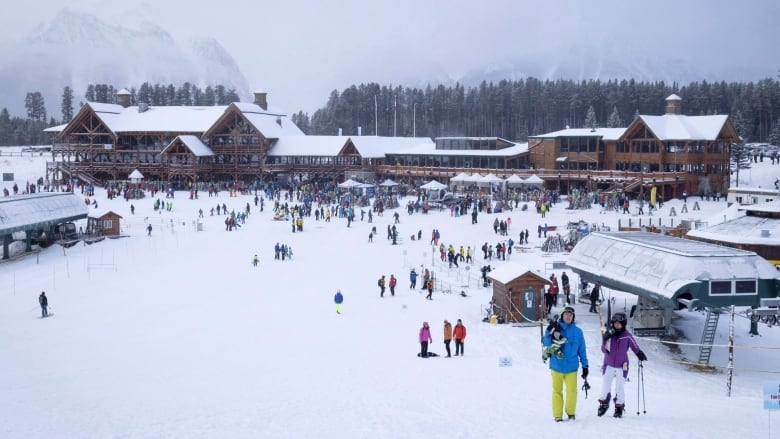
x,y
178,335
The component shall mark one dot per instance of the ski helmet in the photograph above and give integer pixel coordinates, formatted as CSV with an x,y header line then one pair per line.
x,y
571,310
620,317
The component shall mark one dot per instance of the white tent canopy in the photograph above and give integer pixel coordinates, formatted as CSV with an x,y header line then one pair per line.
x,y
349,184
388,183
460,178
136,176
534,179
514,180
433,184
473,178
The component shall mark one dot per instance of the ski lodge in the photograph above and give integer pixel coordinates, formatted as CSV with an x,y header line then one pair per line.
x,y
244,143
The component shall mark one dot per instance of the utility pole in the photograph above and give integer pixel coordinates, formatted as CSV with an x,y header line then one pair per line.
x,y
376,118
395,114
414,120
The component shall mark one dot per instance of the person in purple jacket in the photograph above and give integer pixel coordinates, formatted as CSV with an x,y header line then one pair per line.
x,y
617,342
425,338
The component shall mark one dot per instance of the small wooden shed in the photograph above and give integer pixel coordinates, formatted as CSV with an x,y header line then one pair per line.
x,y
518,293
103,223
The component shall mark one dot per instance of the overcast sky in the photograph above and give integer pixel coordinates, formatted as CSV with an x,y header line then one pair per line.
x,y
300,50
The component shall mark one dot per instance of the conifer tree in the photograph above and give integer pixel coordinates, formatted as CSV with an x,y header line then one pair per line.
x,y
67,104
740,158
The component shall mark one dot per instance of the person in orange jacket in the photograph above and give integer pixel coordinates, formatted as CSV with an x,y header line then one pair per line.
x,y
447,336
459,333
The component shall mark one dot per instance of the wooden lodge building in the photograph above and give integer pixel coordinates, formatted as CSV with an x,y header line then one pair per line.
x,y
674,152
249,142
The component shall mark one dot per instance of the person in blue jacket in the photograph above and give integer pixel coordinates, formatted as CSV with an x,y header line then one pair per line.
x,y
564,368
339,299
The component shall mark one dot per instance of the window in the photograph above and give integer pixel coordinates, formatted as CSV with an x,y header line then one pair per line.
x,y
731,287
720,287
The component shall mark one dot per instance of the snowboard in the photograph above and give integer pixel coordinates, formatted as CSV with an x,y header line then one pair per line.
x,y
430,354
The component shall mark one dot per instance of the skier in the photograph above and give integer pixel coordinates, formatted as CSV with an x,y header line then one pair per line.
x,y
460,337
44,302
595,295
381,284
393,281
447,336
149,230
412,279
425,338
564,370
566,287
616,343
338,299
429,286
255,260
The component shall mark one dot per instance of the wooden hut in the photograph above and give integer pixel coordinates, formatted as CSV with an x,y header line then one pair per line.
x,y
103,223
518,293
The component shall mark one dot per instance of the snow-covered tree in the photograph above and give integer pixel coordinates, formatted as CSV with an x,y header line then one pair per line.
x,y
67,104
590,118
740,159
614,120
774,136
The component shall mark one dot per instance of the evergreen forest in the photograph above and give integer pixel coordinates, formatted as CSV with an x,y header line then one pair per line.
x,y
512,110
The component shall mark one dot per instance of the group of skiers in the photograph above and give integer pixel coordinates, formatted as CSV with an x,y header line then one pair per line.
x,y
458,333
565,349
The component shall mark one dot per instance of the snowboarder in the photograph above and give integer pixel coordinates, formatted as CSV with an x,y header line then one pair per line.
x,y
149,230
616,343
459,333
564,370
338,299
44,302
425,338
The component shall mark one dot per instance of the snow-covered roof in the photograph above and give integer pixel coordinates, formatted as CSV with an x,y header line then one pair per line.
x,y
604,133
660,265
377,147
55,129
181,119
325,146
673,97
99,213
42,210
682,127
193,143
737,227
272,122
430,150
510,271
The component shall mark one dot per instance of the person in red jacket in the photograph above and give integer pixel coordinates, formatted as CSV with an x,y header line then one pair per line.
x,y
459,334
393,281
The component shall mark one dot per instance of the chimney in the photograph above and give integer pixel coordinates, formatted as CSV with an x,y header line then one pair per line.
x,y
261,99
674,104
339,131
360,131
123,98
142,107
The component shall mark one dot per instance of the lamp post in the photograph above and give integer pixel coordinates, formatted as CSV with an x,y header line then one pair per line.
x,y
559,183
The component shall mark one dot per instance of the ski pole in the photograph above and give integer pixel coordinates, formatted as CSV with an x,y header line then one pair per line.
x,y
642,378
638,379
